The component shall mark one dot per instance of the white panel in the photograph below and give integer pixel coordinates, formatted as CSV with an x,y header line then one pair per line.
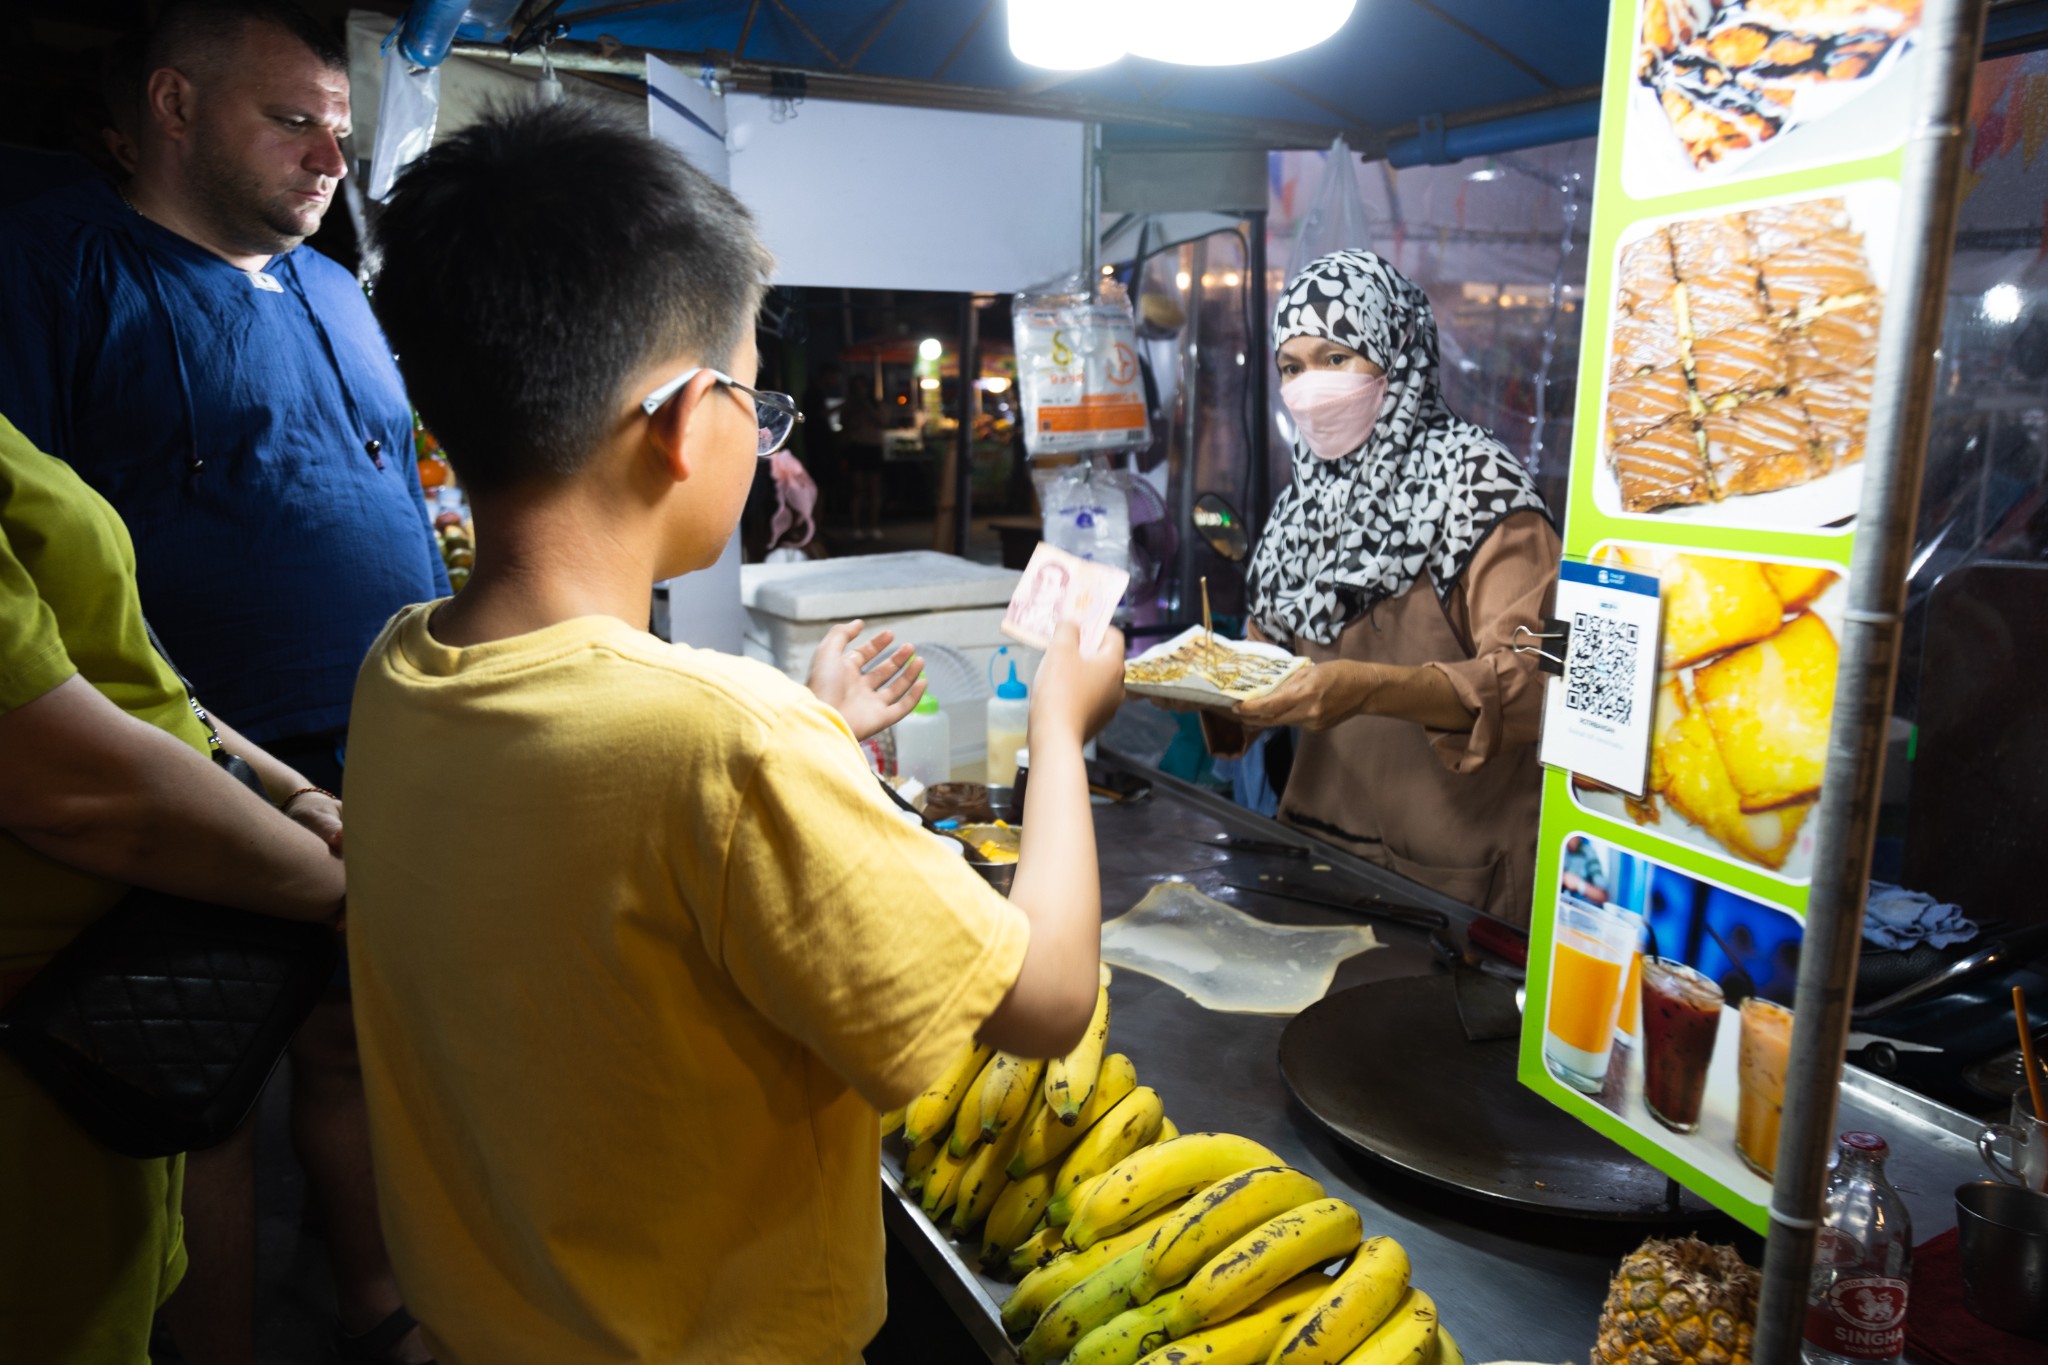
x,y
688,117
868,196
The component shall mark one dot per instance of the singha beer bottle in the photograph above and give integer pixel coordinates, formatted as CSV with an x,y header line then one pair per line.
x,y
1856,1301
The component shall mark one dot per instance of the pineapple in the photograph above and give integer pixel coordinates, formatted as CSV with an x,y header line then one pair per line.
x,y
1679,1303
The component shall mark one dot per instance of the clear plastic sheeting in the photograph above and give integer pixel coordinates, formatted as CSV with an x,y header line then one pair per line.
x,y
1225,960
406,112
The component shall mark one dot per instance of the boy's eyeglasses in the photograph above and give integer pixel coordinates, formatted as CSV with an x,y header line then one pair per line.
x,y
775,414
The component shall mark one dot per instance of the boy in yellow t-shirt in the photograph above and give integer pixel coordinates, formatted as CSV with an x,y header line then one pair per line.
x,y
639,946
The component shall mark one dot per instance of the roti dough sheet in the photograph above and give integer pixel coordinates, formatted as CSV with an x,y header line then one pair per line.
x,y
1226,960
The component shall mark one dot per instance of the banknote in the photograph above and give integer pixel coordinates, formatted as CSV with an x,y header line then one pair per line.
x,y
1058,586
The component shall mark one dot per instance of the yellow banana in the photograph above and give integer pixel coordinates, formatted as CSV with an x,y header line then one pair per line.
x,y
1168,1129
1015,1213
1247,1338
1007,1093
1148,1180
929,1113
1064,1202
1070,1080
1088,1305
1215,1218
1269,1255
1447,1351
967,1118
1121,1340
893,1120
981,1184
1037,1250
1407,1337
1132,1124
1351,1309
1046,1139
917,1164
942,1183
1036,1291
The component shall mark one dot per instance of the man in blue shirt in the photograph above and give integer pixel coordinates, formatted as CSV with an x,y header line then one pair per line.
x,y
228,390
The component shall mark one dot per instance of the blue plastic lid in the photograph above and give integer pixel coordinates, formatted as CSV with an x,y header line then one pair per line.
x,y
1010,689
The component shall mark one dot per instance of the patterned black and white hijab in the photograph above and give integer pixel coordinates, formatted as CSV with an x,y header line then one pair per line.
x,y
1421,493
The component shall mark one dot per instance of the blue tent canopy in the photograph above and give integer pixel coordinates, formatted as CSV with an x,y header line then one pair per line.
x,y
1395,64
1416,80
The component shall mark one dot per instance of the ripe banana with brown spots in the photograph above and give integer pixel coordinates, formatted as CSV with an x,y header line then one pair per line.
x,y
1166,1173
930,1112
1356,1303
1215,1218
1407,1337
1046,1139
1070,1080
1008,1093
1263,1259
967,1118
1247,1338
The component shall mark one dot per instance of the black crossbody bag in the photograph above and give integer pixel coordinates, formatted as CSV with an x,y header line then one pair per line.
x,y
156,1028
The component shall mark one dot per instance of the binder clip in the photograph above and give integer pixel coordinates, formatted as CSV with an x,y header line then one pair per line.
x,y
1554,630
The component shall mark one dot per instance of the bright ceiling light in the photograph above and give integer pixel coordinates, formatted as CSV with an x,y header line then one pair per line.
x,y
929,348
927,384
1066,35
1183,279
1225,32
1078,35
995,383
2002,304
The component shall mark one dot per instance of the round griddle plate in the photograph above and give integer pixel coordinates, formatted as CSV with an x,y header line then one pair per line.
x,y
1387,1068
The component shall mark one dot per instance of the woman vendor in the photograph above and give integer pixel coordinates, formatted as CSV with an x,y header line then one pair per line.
x,y
1408,548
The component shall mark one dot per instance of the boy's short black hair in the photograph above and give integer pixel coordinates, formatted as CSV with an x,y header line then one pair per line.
x,y
536,260
199,37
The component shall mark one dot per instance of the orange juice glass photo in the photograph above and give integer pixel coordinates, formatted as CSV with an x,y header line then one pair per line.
x,y
1590,956
1760,1075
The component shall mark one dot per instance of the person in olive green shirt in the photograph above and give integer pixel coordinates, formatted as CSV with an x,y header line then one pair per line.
x,y
107,785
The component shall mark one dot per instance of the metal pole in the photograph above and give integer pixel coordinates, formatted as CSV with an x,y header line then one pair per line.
x,y
1091,204
1952,32
1182,474
1261,482
963,466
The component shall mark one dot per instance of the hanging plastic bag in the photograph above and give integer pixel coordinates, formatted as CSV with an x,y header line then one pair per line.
x,y
406,112
1336,219
1077,372
1087,513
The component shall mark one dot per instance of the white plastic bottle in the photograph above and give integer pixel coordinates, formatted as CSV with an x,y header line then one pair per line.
x,y
1009,721
924,743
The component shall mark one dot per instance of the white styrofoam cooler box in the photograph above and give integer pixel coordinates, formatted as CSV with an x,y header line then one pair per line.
x,y
927,598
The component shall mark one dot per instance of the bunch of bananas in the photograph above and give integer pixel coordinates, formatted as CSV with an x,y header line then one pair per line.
x,y
1135,1244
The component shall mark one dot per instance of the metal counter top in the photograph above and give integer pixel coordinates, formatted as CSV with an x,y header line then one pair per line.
x,y
1510,1285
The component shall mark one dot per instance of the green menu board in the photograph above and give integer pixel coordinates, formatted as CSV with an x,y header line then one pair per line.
x,y
1745,223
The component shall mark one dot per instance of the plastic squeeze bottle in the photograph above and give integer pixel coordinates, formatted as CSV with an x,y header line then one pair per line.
x,y
1009,714
924,743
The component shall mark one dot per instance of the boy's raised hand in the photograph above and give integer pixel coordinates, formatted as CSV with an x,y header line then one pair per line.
x,y
1075,693
870,700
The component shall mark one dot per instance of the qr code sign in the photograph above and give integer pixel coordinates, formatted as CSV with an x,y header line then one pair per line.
x,y
1599,671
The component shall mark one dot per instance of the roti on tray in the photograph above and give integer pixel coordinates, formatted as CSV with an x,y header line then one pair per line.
x,y
1189,668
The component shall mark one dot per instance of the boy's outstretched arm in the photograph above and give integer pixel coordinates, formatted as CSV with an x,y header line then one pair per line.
x,y
1058,886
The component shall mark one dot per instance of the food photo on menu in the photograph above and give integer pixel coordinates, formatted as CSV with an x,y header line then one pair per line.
x,y
1666,1007
1735,766
1733,88
1742,349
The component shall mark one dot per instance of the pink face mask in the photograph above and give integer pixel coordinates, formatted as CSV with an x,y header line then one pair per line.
x,y
1334,410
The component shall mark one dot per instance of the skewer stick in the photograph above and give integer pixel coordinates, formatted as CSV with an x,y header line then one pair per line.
x,y
2027,1060
1208,626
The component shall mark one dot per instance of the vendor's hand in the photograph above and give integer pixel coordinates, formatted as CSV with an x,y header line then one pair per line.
x,y
870,699
1075,694
1314,698
320,813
